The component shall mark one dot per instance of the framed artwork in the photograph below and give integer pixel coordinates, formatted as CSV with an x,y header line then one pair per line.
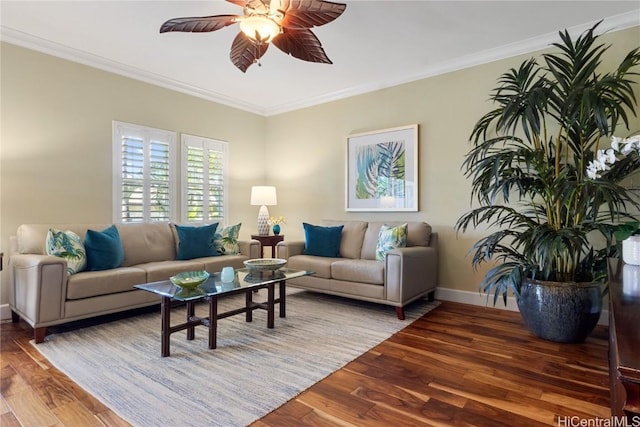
x,y
382,170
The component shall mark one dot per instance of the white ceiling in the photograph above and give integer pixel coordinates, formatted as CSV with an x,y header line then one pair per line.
x,y
373,45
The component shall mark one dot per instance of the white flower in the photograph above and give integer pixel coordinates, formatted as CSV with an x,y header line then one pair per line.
x,y
276,220
610,156
615,143
592,174
606,158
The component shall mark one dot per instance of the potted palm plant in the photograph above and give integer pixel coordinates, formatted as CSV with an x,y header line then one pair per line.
x,y
545,178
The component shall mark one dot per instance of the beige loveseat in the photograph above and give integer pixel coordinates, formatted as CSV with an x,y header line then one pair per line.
x,y
405,275
44,294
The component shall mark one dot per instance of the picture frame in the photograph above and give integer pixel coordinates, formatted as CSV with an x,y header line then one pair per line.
x,y
382,170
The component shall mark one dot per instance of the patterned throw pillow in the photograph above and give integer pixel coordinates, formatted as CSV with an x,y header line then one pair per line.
x,y
226,240
67,245
390,238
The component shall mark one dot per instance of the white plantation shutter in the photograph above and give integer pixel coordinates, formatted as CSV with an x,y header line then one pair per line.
x,y
204,195
144,171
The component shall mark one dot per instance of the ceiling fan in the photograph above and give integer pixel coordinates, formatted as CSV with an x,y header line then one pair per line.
x,y
285,23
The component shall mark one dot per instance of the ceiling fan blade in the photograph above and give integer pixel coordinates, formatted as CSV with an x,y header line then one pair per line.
x,y
309,13
245,52
199,25
301,44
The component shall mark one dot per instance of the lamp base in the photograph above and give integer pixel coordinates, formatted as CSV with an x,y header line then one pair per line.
x,y
263,221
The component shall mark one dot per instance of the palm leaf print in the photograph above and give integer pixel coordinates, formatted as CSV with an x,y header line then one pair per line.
x,y
367,172
69,250
380,170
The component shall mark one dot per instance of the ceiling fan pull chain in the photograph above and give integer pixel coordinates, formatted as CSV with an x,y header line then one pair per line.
x,y
257,56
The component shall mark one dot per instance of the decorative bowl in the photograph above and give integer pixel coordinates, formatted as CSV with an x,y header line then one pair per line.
x,y
265,264
189,293
189,279
260,276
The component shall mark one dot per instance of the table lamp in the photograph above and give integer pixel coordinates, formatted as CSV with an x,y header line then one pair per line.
x,y
263,196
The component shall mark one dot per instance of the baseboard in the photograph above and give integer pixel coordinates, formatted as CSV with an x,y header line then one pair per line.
x,y
5,312
476,298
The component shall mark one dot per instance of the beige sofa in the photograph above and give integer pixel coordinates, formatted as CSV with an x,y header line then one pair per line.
x,y
406,274
44,294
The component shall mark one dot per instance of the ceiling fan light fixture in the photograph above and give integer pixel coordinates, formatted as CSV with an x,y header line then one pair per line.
x,y
259,28
285,23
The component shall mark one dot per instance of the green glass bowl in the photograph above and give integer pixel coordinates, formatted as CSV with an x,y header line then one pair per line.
x,y
189,279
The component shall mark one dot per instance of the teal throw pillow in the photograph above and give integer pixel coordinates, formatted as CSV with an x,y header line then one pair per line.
x,y
104,249
196,242
390,238
226,240
322,241
67,245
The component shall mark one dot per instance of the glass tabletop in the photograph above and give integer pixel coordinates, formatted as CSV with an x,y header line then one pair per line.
x,y
243,279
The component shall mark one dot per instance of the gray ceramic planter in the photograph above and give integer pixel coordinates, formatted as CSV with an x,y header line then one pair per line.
x,y
560,312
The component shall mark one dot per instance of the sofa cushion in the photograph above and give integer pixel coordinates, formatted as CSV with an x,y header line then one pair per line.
x,y
390,238
68,246
147,242
196,242
163,270
320,265
215,264
358,270
418,234
104,249
352,237
226,240
94,283
322,241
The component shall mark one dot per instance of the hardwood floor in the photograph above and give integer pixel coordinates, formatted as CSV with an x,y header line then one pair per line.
x,y
459,365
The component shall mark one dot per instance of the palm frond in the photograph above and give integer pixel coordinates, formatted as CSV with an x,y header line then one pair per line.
x,y
531,184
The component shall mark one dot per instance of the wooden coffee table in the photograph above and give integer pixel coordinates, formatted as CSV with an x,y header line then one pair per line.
x,y
246,281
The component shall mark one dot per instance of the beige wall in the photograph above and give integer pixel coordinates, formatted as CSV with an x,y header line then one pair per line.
x,y
313,142
56,140
55,163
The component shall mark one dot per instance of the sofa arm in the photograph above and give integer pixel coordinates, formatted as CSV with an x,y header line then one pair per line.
x,y
250,248
284,250
410,272
38,287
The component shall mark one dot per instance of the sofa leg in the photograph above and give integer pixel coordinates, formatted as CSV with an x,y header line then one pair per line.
x,y
431,296
400,312
39,334
15,317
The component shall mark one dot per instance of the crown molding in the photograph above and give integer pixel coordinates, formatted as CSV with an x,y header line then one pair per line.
x,y
610,24
38,44
9,35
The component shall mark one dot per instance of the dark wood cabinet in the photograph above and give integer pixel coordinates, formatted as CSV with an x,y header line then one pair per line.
x,y
624,340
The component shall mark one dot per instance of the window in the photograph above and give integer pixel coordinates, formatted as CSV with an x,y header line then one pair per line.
x,y
204,166
144,174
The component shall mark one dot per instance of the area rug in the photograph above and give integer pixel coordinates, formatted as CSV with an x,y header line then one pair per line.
x,y
253,371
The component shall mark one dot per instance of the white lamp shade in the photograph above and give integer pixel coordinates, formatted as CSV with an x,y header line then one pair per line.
x,y
263,195
260,28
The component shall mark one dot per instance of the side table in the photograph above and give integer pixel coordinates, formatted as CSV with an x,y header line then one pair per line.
x,y
268,241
